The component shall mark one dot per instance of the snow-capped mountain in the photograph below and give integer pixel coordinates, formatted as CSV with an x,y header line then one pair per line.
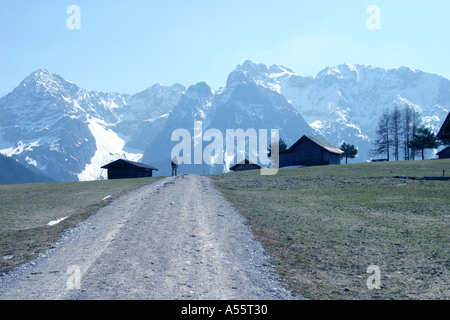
x,y
146,113
68,132
247,102
194,105
345,102
252,99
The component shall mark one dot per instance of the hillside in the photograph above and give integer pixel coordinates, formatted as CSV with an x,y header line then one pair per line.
x,y
11,171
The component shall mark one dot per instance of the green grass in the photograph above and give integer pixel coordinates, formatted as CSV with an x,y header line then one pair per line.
x,y
325,225
26,209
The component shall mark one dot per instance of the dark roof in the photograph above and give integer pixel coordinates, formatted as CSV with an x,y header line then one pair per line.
x,y
244,163
443,150
320,142
444,132
136,164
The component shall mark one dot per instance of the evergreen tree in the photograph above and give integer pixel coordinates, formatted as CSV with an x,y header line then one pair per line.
x,y
349,151
406,131
416,123
424,139
281,147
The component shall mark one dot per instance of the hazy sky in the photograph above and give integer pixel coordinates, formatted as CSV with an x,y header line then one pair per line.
x,y
127,46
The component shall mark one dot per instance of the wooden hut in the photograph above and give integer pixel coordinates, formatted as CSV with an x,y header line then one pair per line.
x,y
444,153
122,169
310,151
444,132
245,165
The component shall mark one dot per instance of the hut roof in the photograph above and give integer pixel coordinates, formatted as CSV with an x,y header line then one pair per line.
x,y
244,162
444,132
443,150
133,163
320,142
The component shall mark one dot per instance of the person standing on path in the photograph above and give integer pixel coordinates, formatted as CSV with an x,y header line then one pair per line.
x,y
174,166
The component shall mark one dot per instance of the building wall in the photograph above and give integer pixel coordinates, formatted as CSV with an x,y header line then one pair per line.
x,y
331,158
445,154
124,171
242,167
308,153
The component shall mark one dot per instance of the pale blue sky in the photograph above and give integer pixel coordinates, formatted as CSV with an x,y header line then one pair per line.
x,y
127,46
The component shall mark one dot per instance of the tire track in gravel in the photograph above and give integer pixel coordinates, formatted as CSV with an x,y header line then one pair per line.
x,y
178,238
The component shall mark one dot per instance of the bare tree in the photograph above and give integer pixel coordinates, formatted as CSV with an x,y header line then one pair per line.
x,y
411,121
394,128
383,141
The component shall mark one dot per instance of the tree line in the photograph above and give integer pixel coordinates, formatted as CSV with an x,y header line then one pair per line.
x,y
401,133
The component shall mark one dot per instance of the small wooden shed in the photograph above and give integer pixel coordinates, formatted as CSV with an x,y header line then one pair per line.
x,y
310,151
122,169
245,165
444,153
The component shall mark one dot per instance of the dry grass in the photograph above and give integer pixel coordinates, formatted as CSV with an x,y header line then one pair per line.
x,y
325,225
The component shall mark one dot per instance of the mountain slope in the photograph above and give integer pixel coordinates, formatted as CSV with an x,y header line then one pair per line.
x,y
194,105
69,132
251,99
12,172
247,102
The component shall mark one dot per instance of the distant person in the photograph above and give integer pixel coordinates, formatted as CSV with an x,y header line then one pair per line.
x,y
174,166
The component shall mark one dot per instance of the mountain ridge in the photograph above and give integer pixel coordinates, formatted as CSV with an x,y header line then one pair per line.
x,y
68,132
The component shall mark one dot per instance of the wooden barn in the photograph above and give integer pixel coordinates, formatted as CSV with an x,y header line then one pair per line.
x,y
444,132
245,165
310,151
122,169
444,153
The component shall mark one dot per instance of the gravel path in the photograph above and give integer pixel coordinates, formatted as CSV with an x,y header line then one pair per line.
x,y
177,238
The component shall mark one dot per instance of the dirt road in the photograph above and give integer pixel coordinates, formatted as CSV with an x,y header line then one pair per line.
x,y
178,238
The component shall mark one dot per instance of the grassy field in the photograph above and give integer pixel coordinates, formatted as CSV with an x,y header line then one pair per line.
x,y
324,226
26,210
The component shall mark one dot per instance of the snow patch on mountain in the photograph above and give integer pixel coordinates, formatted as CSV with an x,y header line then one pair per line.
x,y
110,147
21,147
160,117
